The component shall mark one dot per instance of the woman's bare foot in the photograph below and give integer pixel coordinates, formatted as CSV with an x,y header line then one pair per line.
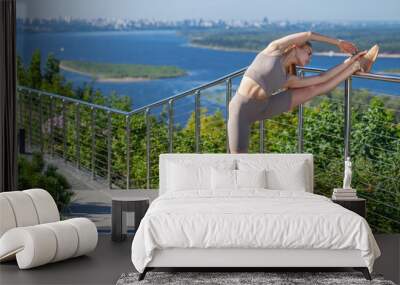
x,y
368,59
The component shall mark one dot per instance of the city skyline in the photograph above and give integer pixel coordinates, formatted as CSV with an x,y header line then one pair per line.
x,y
175,10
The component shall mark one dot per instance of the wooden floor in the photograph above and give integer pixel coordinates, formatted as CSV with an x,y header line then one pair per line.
x,y
110,259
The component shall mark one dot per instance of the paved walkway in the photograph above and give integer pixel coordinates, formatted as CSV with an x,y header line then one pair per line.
x,y
92,198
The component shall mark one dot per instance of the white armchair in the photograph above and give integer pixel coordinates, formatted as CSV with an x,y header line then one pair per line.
x,y
31,230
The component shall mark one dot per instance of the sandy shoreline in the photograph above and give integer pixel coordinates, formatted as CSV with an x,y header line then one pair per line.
x,y
123,79
103,79
220,48
326,53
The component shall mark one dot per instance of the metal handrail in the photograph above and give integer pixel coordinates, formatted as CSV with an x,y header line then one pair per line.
x,y
210,84
191,91
241,72
72,100
363,75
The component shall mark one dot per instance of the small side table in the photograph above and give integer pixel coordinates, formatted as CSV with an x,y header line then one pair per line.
x,y
121,205
357,205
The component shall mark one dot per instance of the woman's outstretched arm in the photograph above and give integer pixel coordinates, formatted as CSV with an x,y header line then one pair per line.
x,y
300,38
344,46
295,82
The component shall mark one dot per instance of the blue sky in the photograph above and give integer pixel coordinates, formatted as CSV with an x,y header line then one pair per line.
x,y
311,10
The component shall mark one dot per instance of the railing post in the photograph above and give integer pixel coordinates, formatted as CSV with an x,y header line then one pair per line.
x,y
300,123
197,120
51,125
21,107
21,126
30,120
93,144
77,136
64,124
147,120
262,136
109,130
228,97
40,123
128,151
300,131
347,117
170,124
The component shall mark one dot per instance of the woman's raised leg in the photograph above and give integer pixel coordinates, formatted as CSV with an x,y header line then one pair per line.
x,y
304,94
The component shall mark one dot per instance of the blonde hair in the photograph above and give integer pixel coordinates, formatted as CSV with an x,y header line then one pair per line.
x,y
292,68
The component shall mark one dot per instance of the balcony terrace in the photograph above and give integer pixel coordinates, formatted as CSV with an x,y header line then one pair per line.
x,y
107,152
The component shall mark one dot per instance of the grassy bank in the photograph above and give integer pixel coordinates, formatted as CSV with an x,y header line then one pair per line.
x,y
121,72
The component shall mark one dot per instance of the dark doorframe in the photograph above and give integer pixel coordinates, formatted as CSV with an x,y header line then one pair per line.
x,y
8,130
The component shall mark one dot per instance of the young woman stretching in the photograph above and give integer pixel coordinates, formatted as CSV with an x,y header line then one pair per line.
x,y
272,72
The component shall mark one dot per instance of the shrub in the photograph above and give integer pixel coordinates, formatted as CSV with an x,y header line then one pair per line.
x,y
34,173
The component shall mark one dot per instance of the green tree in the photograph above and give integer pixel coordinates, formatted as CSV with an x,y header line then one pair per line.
x,y
35,74
52,68
22,78
34,173
374,131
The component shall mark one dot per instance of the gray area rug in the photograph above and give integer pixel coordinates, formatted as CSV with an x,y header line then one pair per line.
x,y
225,278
